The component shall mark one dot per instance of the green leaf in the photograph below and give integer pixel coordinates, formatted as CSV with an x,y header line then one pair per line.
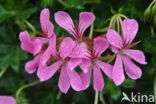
x,y
47,3
78,4
128,83
154,20
113,11
5,14
114,91
147,15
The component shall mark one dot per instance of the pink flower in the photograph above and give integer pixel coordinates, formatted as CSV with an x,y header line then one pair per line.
x,y
64,20
77,30
67,77
119,45
35,45
95,65
7,100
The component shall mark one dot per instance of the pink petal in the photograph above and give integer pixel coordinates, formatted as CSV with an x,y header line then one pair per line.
x,y
136,55
75,79
85,77
64,81
85,20
45,73
44,15
80,51
7,100
38,46
98,79
117,72
130,29
86,65
27,44
51,50
31,66
73,63
132,70
64,20
106,68
47,26
114,39
100,45
66,47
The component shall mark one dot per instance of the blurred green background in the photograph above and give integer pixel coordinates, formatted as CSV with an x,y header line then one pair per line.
x,y
20,15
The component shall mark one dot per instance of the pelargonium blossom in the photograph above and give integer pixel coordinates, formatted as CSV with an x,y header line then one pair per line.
x,y
34,45
7,100
68,77
96,65
119,45
64,20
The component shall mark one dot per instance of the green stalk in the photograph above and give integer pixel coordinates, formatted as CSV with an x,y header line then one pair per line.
x,y
96,97
3,71
91,31
30,26
24,87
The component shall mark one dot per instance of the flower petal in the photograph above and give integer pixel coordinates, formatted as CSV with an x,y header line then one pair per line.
x,y
31,66
75,79
100,45
64,20
117,72
85,20
45,73
38,46
85,77
66,47
64,81
106,68
86,65
114,39
132,70
27,44
51,50
7,100
73,63
98,81
136,55
44,15
80,51
47,26
130,29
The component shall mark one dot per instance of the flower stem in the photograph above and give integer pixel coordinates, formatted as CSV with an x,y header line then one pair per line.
x,y
101,98
24,87
96,97
3,71
91,31
30,26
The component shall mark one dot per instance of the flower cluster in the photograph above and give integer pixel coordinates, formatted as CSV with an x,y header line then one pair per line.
x,y
65,55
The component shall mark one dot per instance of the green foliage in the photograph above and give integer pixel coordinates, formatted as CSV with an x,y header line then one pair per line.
x,y
19,15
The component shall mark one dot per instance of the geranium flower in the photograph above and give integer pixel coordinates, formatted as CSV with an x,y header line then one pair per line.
x,y
7,100
96,65
35,45
64,20
119,45
67,76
